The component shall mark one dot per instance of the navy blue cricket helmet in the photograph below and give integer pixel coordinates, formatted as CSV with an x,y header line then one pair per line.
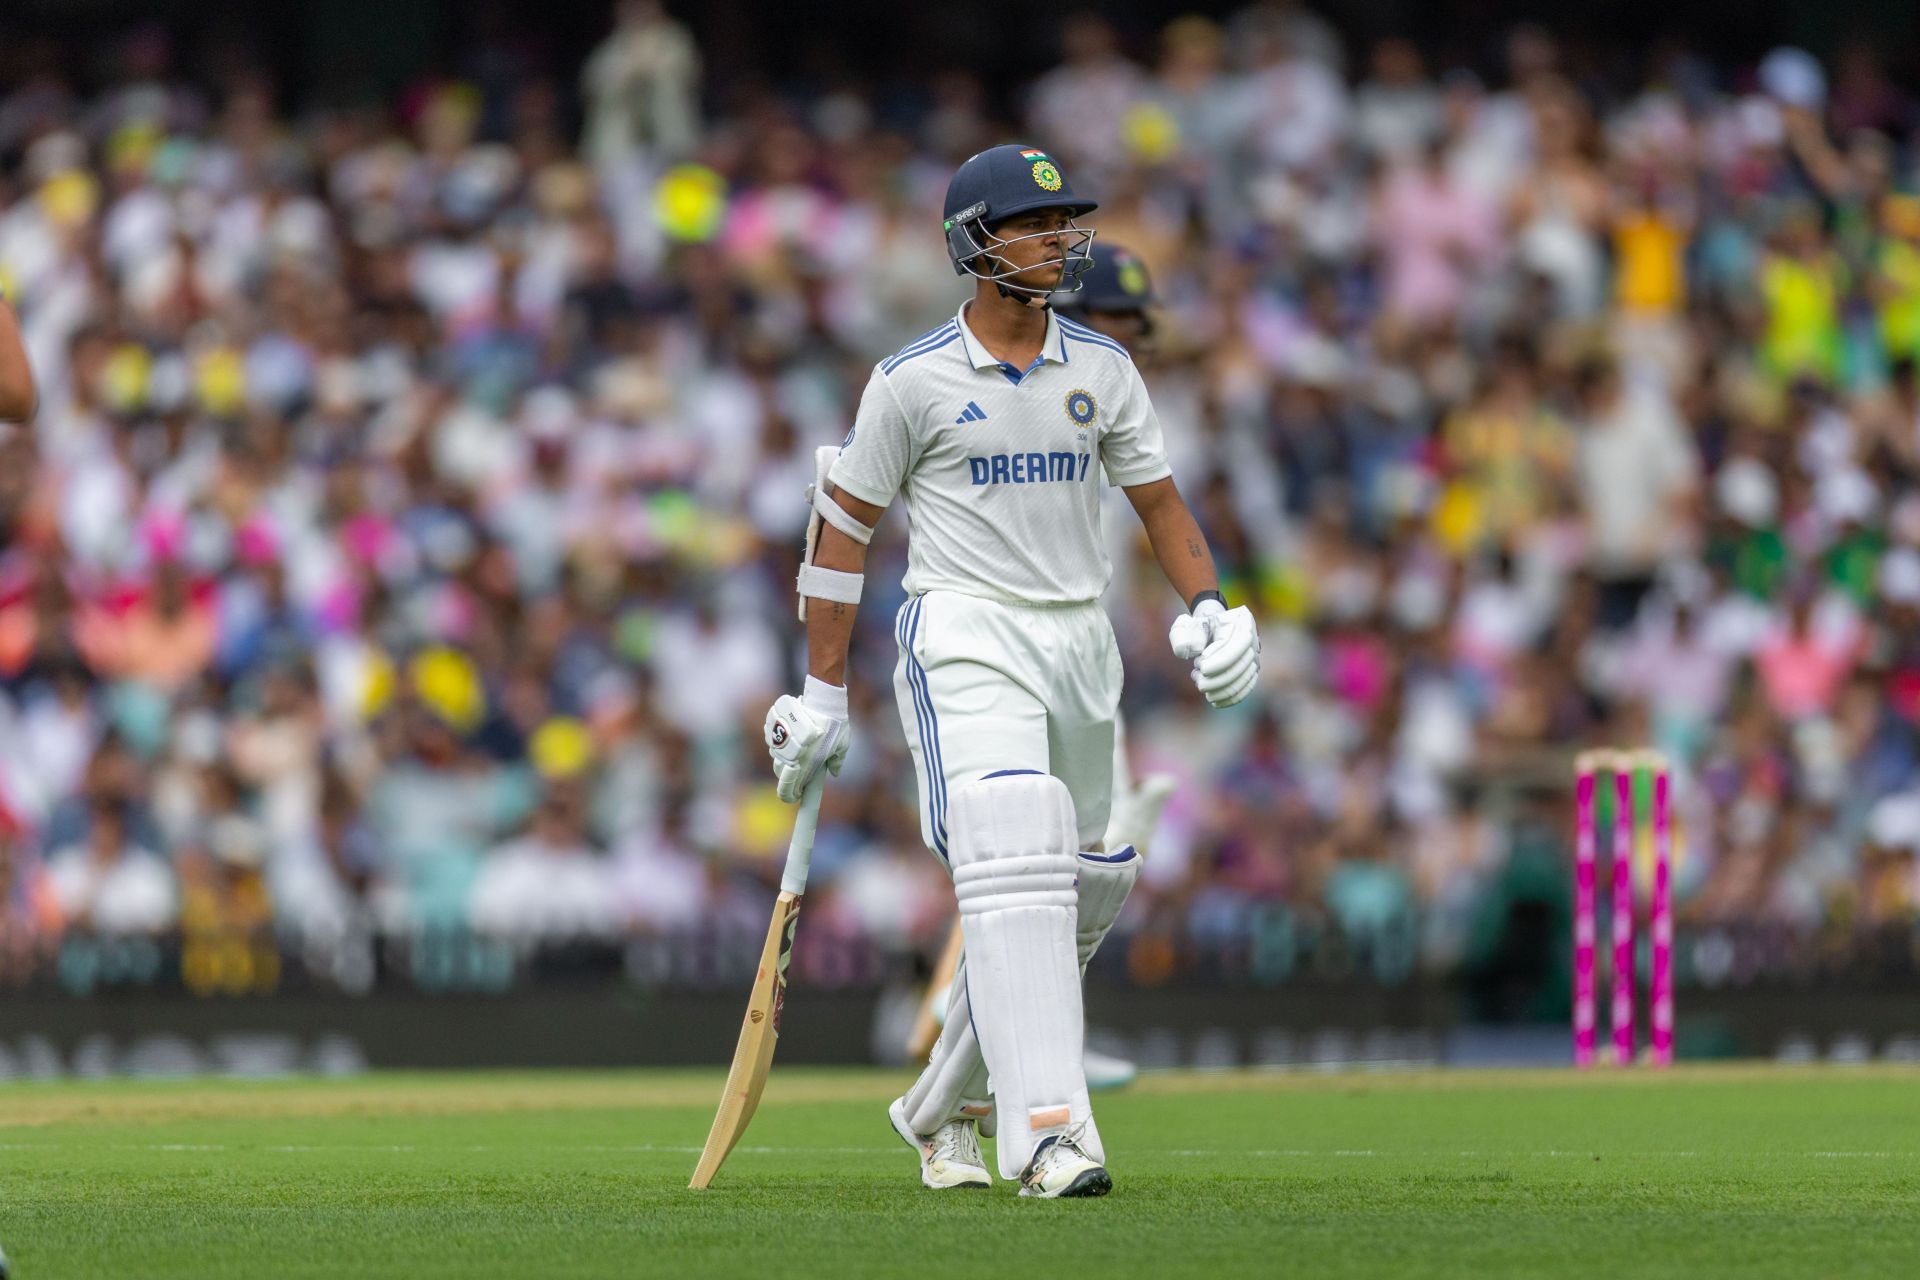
x,y
993,186
1116,280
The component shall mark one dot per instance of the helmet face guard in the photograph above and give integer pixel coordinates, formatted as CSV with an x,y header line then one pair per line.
x,y
970,242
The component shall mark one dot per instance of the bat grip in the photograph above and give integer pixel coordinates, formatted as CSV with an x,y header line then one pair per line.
x,y
800,849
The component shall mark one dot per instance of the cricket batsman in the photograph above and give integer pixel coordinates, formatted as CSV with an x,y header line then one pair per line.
x,y
1114,298
995,429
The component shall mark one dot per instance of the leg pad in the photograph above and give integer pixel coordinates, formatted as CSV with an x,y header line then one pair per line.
x,y
1105,881
1012,840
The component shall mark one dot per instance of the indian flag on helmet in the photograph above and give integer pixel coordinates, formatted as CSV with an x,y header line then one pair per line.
x,y
1046,175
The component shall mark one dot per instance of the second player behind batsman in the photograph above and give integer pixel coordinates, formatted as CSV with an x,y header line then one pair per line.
x,y
996,429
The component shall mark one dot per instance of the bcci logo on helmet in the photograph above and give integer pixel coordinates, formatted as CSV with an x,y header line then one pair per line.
x,y
1045,176
1082,407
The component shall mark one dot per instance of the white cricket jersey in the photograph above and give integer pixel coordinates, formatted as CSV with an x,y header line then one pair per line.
x,y
1001,468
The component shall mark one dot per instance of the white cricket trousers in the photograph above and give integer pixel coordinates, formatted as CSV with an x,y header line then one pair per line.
x,y
985,686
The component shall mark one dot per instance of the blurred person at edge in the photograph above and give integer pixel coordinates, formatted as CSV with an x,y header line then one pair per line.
x,y
165,640
1560,210
107,884
1683,671
29,910
1087,97
549,882
1638,475
1436,233
320,881
1806,659
435,808
1507,454
18,395
1297,109
222,878
1397,108
642,87
1803,284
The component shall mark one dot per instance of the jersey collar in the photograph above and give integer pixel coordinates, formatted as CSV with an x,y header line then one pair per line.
x,y
1053,348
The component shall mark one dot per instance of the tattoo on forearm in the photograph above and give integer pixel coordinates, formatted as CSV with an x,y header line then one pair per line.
x,y
839,611
1196,549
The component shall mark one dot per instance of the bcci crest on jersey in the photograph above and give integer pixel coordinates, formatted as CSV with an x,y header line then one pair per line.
x,y
1082,407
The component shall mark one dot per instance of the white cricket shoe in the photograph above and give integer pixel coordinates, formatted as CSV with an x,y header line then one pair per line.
x,y
1060,1169
1104,1071
949,1157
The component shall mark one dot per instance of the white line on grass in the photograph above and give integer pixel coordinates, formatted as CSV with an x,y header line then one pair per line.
x,y
641,1148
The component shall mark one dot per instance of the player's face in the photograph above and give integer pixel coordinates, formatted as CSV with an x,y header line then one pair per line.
x,y
1128,328
1037,253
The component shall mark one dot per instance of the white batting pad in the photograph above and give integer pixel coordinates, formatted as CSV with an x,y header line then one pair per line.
x,y
1105,881
1011,837
955,1082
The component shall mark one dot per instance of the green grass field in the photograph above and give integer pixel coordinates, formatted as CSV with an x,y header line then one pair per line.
x,y
1747,1171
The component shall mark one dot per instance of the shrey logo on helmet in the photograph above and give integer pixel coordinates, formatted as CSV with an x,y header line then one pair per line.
x,y
967,215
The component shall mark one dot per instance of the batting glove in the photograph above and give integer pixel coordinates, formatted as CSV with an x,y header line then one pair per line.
x,y
1224,647
805,733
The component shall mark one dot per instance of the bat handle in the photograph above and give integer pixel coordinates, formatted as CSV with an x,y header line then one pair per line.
x,y
800,848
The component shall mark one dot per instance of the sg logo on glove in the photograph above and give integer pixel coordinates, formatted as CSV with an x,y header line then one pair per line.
x,y
805,735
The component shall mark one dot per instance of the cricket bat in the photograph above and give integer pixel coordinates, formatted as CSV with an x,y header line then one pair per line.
x,y
753,1056
926,1026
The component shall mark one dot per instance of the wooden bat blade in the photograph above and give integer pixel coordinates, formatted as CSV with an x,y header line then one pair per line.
x,y
926,1027
759,1032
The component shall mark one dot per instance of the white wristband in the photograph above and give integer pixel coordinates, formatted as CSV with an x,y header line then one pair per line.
x,y
827,699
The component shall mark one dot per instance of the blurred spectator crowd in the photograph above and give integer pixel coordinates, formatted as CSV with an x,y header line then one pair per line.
x,y
406,536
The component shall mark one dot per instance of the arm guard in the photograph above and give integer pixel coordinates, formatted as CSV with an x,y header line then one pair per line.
x,y
828,584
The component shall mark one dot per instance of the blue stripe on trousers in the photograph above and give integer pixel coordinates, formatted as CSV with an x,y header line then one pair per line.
x,y
904,630
919,715
939,755
930,738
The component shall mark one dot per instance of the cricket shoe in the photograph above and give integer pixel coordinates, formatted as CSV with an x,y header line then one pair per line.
x,y
1060,1169
949,1157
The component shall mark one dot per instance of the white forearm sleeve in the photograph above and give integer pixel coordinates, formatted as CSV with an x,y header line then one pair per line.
x,y
839,517
829,584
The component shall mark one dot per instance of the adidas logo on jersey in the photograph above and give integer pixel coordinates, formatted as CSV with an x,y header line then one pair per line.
x,y
972,413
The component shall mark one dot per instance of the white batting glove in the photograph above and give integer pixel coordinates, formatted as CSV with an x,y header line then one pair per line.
x,y
805,733
1224,647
